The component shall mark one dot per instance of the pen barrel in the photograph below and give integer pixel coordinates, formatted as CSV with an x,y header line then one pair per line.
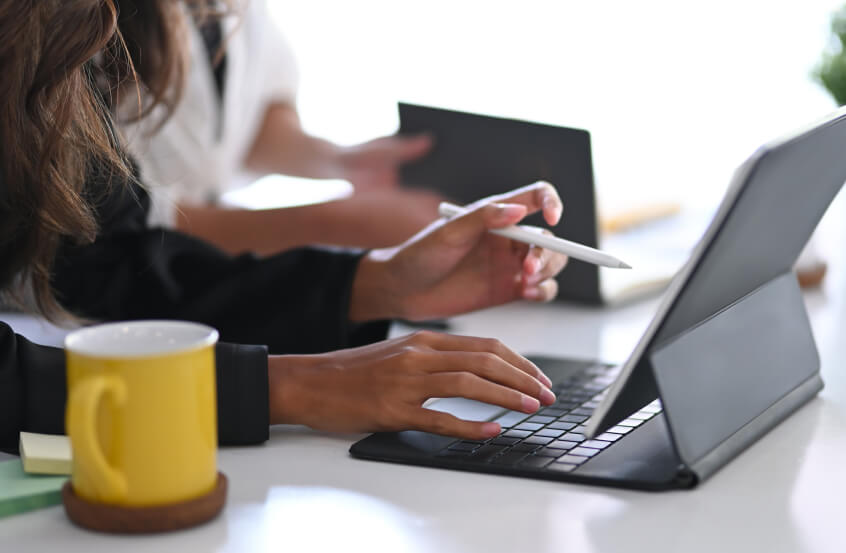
x,y
566,247
534,236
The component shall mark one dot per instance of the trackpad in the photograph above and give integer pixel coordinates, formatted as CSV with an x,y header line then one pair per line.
x,y
467,409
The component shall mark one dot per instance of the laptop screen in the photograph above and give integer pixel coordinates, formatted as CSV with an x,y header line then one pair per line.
x,y
776,200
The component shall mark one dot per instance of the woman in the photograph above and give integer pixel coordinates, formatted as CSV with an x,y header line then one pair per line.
x,y
73,236
238,114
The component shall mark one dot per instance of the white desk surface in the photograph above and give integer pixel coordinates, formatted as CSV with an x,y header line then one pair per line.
x,y
302,492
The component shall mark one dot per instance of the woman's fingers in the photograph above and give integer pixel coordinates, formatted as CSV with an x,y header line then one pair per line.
x,y
449,342
492,368
405,149
466,229
539,196
540,262
471,386
544,265
542,292
445,424
534,261
540,266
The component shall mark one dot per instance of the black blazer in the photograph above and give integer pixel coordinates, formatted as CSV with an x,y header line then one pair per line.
x,y
293,302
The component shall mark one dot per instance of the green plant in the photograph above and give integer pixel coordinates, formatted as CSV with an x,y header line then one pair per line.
x,y
831,73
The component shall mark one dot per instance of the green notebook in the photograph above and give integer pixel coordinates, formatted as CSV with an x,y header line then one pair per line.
x,y
21,492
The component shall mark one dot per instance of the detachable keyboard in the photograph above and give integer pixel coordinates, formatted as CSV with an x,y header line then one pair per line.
x,y
553,438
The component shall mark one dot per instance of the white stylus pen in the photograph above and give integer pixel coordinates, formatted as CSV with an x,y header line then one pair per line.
x,y
529,235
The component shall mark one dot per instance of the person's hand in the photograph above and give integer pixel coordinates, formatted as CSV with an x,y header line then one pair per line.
x,y
374,165
379,218
382,387
456,266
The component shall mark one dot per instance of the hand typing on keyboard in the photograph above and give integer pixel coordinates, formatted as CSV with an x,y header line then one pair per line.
x,y
553,439
382,386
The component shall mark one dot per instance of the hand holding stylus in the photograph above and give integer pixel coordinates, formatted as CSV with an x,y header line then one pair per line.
x,y
531,236
456,266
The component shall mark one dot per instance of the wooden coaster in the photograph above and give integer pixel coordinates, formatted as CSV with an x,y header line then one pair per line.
x,y
144,520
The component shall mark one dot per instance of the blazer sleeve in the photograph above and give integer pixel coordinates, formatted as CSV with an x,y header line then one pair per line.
x,y
33,391
293,302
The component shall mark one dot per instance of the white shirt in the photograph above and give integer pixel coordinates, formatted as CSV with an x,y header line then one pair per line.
x,y
195,156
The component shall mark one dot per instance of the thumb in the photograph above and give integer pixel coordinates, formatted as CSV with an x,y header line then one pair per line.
x,y
414,147
466,229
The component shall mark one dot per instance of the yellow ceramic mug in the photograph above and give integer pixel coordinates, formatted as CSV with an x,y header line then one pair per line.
x,y
141,412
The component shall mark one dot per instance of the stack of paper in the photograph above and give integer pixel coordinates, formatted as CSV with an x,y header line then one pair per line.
x,y
45,454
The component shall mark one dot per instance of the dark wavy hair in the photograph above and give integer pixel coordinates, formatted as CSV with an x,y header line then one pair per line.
x,y
65,65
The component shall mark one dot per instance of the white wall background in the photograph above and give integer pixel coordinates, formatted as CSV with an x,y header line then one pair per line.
x,y
675,93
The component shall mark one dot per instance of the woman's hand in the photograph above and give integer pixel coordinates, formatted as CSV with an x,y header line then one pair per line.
x,y
382,387
456,266
374,165
374,219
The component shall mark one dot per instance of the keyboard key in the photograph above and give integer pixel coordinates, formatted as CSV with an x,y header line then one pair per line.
x,y
528,426
582,411
505,440
486,453
620,429
597,370
535,462
465,446
549,452
641,416
516,433
609,437
573,437
595,444
509,458
560,425
540,419
540,440
562,467
574,418
453,454
526,448
584,451
572,459
630,422
553,412
563,444
575,402
549,432
511,418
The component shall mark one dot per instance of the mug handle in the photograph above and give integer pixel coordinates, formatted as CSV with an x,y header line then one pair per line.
x,y
82,428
